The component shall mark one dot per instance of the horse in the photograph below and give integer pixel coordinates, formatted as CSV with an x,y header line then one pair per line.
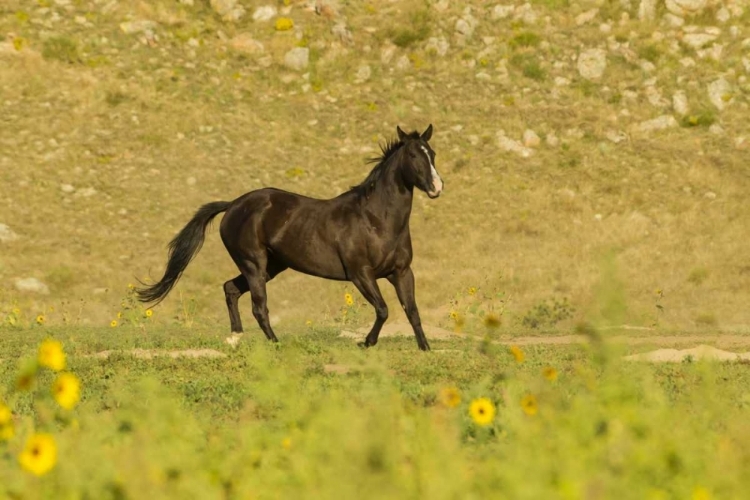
x,y
361,236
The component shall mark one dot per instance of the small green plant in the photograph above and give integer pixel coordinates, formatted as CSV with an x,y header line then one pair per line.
x,y
651,53
525,39
706,319
529,66
698,275
703,118
61,49
417,31
548,313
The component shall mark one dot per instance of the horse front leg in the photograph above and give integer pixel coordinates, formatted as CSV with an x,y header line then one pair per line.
x,y
368,286
403,281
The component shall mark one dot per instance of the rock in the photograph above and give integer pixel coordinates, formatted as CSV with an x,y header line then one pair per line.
x,y
723,15
340,30
531,139
502,11
561,81
720,93
387,53
327,8
586,17
710,195
140,26
438,45
67,188
363,73
716,129
592,63
466,25
507,144
86,192
647,10
244,42
615,136
31,285
6,234
525,13
654,97
680,103
403,63
684,8
229,10
673,21
264,13
698,40
552,140
190,181
297,59
660,123
746,64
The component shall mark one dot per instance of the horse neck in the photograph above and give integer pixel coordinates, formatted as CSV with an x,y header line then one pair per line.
x,y
391,199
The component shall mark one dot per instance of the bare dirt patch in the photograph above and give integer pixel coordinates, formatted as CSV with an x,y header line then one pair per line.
x,y
677,356
155,353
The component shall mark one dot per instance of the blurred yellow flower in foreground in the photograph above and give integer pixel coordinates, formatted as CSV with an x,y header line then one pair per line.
x,y
549,373
286,443
67,390
701,493
348,299
450,397
40,454
119,315
517,353
482,411
6,423
528,405
149,313
51,355
113,323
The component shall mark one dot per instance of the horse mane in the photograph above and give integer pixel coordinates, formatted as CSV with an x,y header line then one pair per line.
x,y
388,149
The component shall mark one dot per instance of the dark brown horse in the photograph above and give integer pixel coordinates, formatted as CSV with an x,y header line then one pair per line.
x,y
359,236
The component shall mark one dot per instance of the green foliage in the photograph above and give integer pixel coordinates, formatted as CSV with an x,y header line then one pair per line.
x,y
418,30
650,53
702,118
525,39
548,313
61,48
529,66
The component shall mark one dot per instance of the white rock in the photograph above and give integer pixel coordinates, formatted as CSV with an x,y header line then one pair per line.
x,y
31,285
187,2
680,103
67,188
439,45
484,76
86,192
363,73
502,11
561,81
710,195
229,10
660,123
720,93
244,42
592,63
552,140
716,129
7,234
264,13
654,96
297,59
531,139
340,30
686,7
615,136
403,63
605,27
697,40
647,10
466,25
586,17
190,181
723,15
673,21
387,53
525,13
139,26
507,144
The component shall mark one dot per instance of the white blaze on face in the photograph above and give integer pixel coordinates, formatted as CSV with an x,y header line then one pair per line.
x,y
437,182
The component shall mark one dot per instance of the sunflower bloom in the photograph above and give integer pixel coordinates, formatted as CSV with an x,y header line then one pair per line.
x,y
67,390
149,313
517,353
454,315
119,315
701,493
284,24
113,323
6,423
348,299
482,411
40,454
472,290
549,373
529,406
40,320
51,355
450,397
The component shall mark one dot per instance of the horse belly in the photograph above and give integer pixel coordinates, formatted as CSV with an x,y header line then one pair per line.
x,y
306,252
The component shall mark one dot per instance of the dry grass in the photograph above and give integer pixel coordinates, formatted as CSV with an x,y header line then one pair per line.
x,y
133,122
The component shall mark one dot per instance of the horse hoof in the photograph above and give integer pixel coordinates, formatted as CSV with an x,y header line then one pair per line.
x,y
233,339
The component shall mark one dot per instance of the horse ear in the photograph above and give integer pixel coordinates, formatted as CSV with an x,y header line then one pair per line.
x,y
401,133
427,134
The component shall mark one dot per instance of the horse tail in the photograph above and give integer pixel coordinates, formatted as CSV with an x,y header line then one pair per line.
x,y
182,249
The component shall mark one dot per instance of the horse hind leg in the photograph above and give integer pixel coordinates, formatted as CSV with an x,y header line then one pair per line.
x,y
233,290
256,277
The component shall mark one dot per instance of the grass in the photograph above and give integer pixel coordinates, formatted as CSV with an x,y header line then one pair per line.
x,y
268,421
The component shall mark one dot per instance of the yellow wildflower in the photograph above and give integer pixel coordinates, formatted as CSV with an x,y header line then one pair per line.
x,y
51,355
348,299
67,390
149,313
482,411
284,24
40,319
517,353
40,454
119,315
450,397
454,315
113,323
6,423
528,405
286,443
549,373
131,286
472,290
701,493
16,311
308,322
